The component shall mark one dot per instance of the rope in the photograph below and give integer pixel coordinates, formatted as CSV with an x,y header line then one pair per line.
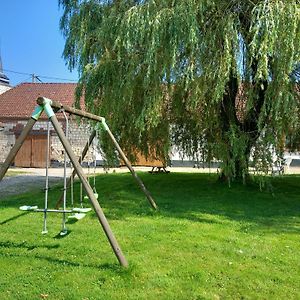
x,y
80,193
95,164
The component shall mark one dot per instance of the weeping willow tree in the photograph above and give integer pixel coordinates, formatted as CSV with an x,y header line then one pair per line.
x,y
213,77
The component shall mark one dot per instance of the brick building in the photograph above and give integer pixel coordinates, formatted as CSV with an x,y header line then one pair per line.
x,y
16,107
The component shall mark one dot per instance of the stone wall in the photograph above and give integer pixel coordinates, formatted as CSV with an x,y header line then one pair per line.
x,y
7,140
78,136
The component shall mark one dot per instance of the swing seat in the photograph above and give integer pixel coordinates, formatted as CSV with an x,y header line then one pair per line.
x,y
77,216
87,197
63,232
28,207
81,210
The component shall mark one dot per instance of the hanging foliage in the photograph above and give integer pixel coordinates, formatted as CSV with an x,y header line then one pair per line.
x,y
212,77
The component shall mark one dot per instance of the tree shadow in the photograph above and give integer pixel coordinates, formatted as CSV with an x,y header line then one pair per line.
x,y
25,245
195,197
14,218
112,267
200,198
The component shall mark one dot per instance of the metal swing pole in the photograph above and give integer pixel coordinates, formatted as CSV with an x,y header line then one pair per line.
x,y
47,180
95,166
64,229
72,191
46,104
81,158
80,189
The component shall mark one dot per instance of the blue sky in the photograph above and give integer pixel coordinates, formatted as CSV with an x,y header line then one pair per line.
x,y
30,40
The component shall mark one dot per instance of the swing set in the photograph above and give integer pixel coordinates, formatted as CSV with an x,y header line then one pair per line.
x,y
51,107
78,212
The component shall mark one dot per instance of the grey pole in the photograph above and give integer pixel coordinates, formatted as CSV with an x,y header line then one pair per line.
x,y
82,156
129,166
47,179
102,219
64,230
19,142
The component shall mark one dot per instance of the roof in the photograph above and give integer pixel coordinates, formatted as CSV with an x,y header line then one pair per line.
x,y
20,101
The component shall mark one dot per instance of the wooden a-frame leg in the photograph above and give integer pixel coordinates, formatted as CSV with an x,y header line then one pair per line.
x,y
101,217
129,166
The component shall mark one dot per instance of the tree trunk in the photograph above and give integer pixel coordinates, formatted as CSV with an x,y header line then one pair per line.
x,y
239,166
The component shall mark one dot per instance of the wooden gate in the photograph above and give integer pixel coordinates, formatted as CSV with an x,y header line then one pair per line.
x,y
33,152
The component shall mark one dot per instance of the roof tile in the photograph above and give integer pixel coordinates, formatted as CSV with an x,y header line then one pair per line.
x,y
19,102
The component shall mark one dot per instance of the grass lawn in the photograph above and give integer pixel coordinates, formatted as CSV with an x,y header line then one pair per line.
x,y
10,173
206,242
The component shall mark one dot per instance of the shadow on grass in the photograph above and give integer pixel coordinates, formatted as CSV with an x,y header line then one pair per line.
x,y
114,268
25,245
200,198
60,236
14,218
197,198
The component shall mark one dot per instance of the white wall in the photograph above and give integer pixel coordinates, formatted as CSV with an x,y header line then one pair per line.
x,y
4,88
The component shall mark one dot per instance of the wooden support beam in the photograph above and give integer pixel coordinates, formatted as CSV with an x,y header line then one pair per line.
x,y
101,217
77,112
133,173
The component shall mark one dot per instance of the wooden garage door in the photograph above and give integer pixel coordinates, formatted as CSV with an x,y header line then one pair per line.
x,y
23,157
33,152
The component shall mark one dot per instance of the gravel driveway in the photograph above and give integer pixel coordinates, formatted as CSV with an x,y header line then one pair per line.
x,y
20,184
24,180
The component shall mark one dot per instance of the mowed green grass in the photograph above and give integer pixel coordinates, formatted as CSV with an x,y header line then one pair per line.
x,y
207,241
11,173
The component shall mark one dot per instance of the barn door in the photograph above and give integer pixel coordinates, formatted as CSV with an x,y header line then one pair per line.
x,y
38,157
33,152
23,157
